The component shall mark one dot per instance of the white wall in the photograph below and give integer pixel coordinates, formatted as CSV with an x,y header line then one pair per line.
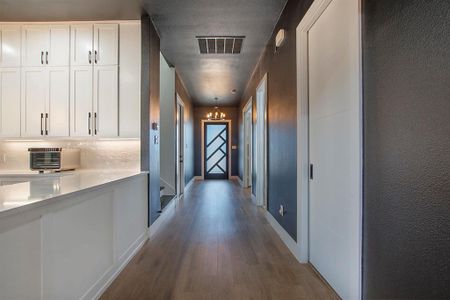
x,y
168,123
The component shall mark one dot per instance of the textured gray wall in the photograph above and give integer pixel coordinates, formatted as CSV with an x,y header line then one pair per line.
x,y
407,149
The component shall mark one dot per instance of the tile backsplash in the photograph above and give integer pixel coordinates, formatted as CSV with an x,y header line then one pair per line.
x,y
95,154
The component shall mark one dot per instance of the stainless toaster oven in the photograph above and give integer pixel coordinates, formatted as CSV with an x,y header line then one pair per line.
x,y
54,159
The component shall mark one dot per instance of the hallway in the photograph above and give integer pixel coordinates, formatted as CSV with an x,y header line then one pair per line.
x,y
217,245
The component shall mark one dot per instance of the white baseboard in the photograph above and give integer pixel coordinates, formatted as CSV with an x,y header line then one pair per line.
x,y
105,281
188,186
254,200
284,236
169,210
241,183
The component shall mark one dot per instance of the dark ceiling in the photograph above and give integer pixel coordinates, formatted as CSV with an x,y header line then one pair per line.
x,y
178,23
214,75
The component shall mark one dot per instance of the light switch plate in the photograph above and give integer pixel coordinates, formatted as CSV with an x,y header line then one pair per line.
x,y
281,210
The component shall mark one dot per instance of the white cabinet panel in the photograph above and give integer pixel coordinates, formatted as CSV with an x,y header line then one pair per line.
x,y
20,262
58,102
78,247
58,46
106,104
82,39
10,102
34,94
130,81
10,45
81,97
106,44
34,44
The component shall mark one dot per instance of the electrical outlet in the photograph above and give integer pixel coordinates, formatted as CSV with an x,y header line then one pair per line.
x,y
281,210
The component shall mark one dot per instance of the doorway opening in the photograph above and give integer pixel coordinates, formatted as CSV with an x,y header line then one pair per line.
x,y
247,116
180,182
329,142
216,150
261,143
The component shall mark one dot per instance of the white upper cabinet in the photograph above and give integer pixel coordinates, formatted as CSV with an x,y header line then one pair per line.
x,y
106,102
45,45
96,44
106,44
45,102
82,41
10,46
58,46
9,102
34,94
57,104
81,98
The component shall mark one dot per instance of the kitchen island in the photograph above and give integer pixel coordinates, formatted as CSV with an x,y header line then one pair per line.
x,y
67,235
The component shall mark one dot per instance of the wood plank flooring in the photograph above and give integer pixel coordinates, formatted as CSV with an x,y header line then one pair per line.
x,y
217,245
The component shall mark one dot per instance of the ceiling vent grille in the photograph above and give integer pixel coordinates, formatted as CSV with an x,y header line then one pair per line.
x,y
220,44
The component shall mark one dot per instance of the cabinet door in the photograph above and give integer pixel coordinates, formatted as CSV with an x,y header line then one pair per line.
x,y
34,44
106,44
58,102
81,97
34,94
10,102
58,46
82,39
106,102
10,46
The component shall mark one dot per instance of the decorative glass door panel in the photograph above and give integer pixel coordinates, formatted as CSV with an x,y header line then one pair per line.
x,y
216,151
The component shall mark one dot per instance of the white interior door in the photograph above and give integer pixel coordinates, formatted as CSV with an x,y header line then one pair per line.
x,y
106,101
261,143
10,102
82,45
248,141
334,146
106,44
59,46
34,95
58,101
81,98
35,41
180,150
10,46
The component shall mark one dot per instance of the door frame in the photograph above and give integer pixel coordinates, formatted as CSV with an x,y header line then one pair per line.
x,y
180,148
248,171
229,145
261,152
313,14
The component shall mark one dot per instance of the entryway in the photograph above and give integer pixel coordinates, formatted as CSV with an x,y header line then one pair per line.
x,y
247,116
180,183
216,152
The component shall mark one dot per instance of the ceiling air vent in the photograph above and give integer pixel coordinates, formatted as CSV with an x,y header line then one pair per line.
x,y
220,44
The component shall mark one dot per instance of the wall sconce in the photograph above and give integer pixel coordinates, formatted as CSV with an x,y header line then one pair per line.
x,y
279,39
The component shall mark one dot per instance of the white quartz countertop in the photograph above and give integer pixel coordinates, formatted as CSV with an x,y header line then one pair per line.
x,y
38,189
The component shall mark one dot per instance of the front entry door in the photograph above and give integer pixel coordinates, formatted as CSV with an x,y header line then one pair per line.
x,y
216,150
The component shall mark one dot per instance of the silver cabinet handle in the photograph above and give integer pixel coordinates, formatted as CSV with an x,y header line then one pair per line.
x,y
46,123
89,123
95,56
42,119
46,57
90,57
95,123
42,57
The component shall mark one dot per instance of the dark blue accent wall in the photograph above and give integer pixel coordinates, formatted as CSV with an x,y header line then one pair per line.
x,y
282,118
